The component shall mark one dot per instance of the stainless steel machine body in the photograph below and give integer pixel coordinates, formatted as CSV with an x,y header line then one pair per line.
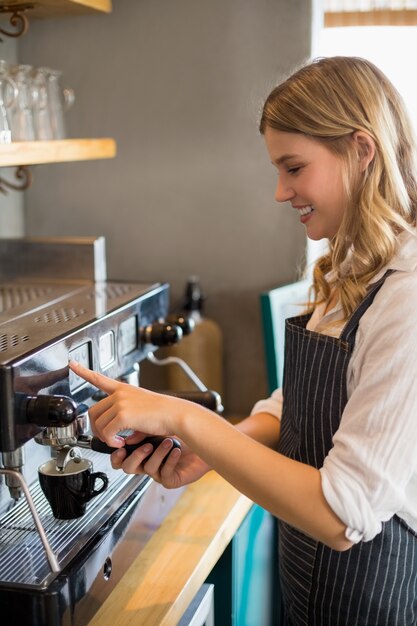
x,y
45,321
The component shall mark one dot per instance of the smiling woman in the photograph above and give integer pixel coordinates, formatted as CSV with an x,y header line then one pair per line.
x,y
343,145
319,113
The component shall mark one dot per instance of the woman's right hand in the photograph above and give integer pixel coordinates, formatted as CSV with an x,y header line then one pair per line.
x,y
171,468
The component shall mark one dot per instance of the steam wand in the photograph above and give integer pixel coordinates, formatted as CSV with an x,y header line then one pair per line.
x,y
216,398
184,366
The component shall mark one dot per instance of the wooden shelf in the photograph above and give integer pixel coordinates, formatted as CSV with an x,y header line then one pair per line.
x,y
59,8
36,152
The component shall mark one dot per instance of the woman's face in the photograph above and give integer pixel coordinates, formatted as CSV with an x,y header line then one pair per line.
x,y
310,177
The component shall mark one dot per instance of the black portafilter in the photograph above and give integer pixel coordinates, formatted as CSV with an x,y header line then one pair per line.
x,y
94,443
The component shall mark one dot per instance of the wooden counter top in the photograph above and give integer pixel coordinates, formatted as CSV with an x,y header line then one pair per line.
x,y
162,581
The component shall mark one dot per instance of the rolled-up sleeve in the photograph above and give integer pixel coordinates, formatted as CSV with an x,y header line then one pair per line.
x,y
370,473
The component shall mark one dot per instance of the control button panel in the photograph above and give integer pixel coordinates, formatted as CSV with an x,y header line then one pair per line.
x,y
82,354
128,335
106,349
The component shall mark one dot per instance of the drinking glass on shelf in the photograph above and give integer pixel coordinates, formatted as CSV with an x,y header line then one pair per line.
x,y
22,115
41,107
60,100
8,94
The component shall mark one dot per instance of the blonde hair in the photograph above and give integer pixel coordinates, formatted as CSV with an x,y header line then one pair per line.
x,y
328,100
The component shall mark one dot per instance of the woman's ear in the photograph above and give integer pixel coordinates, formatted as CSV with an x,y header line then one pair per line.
x,y
365,148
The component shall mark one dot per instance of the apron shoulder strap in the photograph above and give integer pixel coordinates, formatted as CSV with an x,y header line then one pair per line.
x,y
349,331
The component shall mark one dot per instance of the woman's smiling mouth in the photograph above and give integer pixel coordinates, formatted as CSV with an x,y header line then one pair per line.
x,y
305,212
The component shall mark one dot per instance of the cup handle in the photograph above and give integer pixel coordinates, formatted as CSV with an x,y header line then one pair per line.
x,y
101,476
69,98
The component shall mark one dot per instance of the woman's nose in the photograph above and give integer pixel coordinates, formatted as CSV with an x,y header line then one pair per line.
x,y
283,191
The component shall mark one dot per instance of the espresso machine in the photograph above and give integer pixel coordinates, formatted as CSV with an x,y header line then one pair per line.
x,y
56,304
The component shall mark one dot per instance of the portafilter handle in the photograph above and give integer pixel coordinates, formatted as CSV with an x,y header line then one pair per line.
x,y
94,443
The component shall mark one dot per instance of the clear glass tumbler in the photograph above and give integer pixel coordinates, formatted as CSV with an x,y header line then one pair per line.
x,y
22,113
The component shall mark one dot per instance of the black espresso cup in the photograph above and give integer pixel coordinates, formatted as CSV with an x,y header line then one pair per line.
x,y
69,490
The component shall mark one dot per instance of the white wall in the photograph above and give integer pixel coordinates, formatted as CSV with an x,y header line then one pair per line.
x,y
179,84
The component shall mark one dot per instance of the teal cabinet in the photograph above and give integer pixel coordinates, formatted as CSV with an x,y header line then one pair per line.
x,y
246,590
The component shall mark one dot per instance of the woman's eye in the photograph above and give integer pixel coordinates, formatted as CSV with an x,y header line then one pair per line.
x,y
294,170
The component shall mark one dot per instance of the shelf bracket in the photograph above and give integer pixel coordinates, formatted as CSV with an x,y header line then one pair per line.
x,y
22,174
18,18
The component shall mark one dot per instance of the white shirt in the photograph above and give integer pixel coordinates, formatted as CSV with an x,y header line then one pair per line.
x,y
370,474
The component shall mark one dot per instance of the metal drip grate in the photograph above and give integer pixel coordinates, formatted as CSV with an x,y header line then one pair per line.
x,y
22,557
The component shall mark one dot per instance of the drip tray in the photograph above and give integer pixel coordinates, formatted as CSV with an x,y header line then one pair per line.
x,y
23,559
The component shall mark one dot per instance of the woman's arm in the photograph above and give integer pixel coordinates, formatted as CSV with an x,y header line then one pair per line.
x,y
262,427
288,489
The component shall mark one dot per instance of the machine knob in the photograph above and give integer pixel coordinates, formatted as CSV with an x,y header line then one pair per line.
x,y
187,324
161,334
50,410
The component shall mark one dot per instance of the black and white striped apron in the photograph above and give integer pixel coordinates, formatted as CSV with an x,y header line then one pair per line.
x,y
375,582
